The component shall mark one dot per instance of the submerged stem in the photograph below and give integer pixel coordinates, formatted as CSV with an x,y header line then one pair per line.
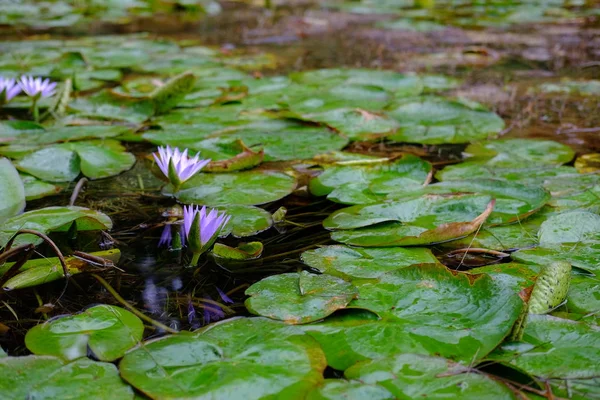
x,y
195,259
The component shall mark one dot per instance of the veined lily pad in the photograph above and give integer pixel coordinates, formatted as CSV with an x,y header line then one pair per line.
x,y
224,362
514,202
570,227
37,189
418,220
105,106
334,389
423,309
298,298
240,188
43,377
554,348
369,182
412,376
434,120
582,255
355,263
519,153
246,220
12,192
107,331
52,219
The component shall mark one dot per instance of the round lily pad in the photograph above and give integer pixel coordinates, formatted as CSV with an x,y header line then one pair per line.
x,y
44,377
107,331
412,221
423,309
520,153
246,220
12,192
554,348
334,389
435,120
239,188
570,227
412,376
242,358
298,298
355,262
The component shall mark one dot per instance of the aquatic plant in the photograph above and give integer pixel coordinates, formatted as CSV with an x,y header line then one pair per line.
x,y
36,88
202,228
9,88
177,166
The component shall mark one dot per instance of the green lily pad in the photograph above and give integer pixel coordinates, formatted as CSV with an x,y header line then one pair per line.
x,y
514,202
240,188
413,376
50,219
225,362
570,227
435,120
37,189
424,309
246,220
554,348
299,298
73,133
12,192
413,221
585,256
43,377
584,295
53,164
370,182
107,331
105,106
519,153
355,263
334,389
534,175
244,251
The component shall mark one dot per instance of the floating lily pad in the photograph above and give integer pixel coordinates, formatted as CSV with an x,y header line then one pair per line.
x,y
37,189
433,120
334,389
105,106
584,295
412,376
275,360
246,220
50,219
514,202
418,220
519,153
12,192
43,377
585,256
356,263
240,188
107,331
298,298
53,164
369,182
423,309
554,348
570,227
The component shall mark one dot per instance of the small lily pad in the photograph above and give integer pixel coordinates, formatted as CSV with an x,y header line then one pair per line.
x,y
107,331
298,298
12,192
246,220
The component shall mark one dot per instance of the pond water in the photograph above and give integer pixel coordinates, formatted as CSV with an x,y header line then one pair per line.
x,y
404,179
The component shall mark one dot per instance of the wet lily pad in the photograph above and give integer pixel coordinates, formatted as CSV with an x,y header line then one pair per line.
x,y
50,219
107,331
423,309
53,164
12,192
585,256
356,263
333,389
44,377
584,295
246,220
371,181
240,188
433,120
104,106
519,153
554,348
276,359
299,298
413,376
413,221
570,227
37,189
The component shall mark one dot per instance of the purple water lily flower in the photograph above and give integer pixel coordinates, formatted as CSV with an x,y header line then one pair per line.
x,y
36,87
166,237
202,228
9,88
177,165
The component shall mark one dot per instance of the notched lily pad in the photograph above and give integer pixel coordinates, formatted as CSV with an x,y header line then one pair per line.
x,y
107,331
298,298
